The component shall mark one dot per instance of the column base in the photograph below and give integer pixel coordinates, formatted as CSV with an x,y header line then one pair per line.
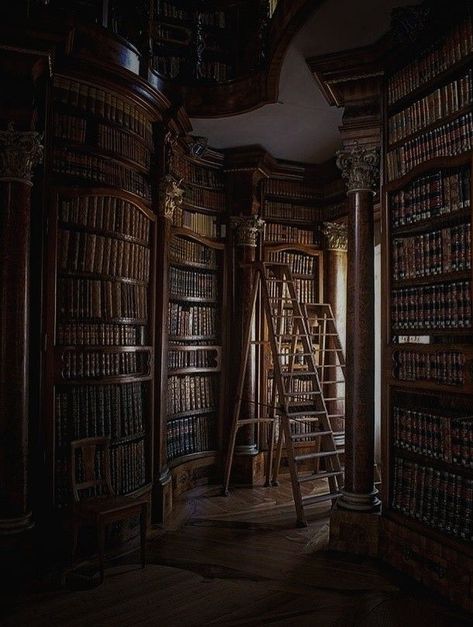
x,y
246,449
359,502
355,532
11,526
248,469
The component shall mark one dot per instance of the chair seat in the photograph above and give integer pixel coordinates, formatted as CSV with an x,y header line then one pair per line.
x,y
107,505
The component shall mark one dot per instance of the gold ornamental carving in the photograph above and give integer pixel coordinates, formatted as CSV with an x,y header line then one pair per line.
x,y
247,229
360,168
20,153
172,197
336,235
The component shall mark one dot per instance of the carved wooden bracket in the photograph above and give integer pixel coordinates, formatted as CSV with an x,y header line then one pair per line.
x,y
20,153
247,229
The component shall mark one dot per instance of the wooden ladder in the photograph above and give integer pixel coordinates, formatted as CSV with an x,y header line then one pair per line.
x,y
294,361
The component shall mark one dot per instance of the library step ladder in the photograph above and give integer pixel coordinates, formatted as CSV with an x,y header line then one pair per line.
x,y
297,396
330,362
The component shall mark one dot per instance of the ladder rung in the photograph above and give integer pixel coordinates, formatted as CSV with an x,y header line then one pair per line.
x,y
304,420
311,434
319,498
291,414
331,382
320,475
300,393
334,398
335,433
336,415
299,373
302,458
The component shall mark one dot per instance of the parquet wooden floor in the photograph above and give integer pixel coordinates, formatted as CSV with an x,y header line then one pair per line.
x,y
240,561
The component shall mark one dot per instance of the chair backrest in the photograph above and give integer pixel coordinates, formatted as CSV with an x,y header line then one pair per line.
x,y
90,468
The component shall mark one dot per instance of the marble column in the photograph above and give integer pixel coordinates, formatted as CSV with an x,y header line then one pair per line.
x,y
20,152
246,233
359,167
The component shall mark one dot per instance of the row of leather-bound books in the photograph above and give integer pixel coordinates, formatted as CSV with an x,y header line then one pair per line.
x,y
100,334
290,211
442,102
98,254
107,214
191,320
191,392
110,139
191,283
99,364
105,104
111,410
275,232
443,367
199,357
191,434
100,170
183,250
104,300
448,140
438,498
195,174
433,253
298,262
437,306
441,192
444,436
456,45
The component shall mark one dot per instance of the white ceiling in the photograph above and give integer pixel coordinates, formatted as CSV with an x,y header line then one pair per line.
x,y
301,126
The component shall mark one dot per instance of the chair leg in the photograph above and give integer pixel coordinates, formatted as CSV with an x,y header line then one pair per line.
x,y
101,546
75,537
143,518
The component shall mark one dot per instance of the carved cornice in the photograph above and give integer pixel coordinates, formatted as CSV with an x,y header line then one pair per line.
x,y
247,229
172,196
335,235
360,168
20,153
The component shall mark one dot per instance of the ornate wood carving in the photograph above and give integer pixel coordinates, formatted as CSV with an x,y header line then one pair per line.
x,y
360,168
20,153
336,235
247,229
172,197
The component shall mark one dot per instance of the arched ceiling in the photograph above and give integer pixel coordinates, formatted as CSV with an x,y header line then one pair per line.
x,y
301,125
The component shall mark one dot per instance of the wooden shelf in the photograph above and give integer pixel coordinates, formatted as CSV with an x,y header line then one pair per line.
x,y
123,378
203,239
192,338
193,264
432,279
439,464
112,234
98,151
103,277
436,163
192,412
431,85
433,223
431,127
191,299
182,459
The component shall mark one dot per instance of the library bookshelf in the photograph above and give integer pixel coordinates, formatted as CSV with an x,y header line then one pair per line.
x,y
293,214
99,291
197,270
427,310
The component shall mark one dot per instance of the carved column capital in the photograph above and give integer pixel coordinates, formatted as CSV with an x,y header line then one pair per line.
x,y
247,229
20,152
172,196
336,235
360,168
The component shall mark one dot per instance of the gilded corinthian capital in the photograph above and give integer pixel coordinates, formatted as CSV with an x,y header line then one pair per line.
x,y
336,235
360,168
247,229
20,152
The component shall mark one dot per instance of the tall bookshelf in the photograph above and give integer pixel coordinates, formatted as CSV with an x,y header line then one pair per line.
x,y
293,214
192,42
99,305
196,316
427,319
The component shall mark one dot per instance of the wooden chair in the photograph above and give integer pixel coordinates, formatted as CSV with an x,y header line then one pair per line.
x,y
95,503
